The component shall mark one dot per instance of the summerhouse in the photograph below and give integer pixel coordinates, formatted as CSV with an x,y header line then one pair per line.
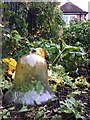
x,y
71,11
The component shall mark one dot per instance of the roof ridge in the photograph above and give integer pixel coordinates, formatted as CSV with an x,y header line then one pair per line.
x,y
70,7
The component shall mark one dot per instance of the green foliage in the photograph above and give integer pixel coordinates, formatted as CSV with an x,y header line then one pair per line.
x,y
71,57
5,114
59,71
17,22
14,32
5,80
32,86
70,105
78,33
50,45
46,18
45,21
40,113
23,109
14,45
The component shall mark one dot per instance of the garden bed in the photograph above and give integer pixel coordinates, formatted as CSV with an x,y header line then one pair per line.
x,y
51,110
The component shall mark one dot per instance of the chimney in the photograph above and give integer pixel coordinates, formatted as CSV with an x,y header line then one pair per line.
x,y
89,10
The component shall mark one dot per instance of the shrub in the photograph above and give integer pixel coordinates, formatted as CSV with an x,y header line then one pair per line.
x,y
78,33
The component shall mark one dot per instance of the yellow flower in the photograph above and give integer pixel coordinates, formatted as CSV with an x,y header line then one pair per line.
x,y
5,60
41,52
11,65
13,61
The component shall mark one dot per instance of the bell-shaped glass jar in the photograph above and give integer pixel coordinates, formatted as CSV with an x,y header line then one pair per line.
x,y
31,82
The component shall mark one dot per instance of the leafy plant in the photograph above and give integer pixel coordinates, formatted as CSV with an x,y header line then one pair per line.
x,y
50,45
71,57
5,114
40,113
78,33
44,19
62,76
70,105
14,45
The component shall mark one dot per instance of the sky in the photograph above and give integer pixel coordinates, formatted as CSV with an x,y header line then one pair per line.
x,y
83,4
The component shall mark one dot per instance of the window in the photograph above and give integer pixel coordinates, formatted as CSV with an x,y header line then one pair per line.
x,y
67,18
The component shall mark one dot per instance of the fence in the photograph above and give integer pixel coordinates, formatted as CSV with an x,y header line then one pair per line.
x,y
12,6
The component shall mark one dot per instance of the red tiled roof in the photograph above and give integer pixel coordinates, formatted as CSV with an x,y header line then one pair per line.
x,y
69,7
